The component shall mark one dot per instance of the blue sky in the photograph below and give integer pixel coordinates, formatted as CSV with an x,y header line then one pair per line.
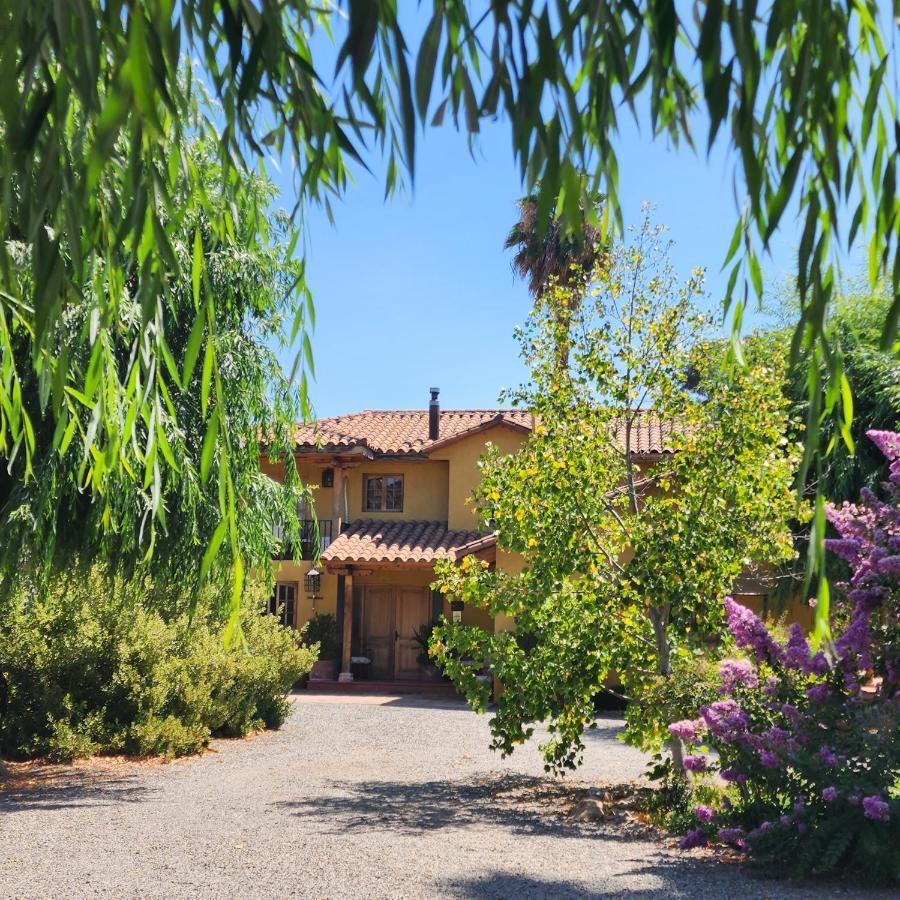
x,y
417,290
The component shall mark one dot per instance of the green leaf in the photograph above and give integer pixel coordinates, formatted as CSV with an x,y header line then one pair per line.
x,y
891,323
755,273
212,550
407,110
138,68
847,413
210,440
425,63
197,266
192,349
206,378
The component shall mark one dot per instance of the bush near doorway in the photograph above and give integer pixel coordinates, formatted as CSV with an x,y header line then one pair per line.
x,y
321,635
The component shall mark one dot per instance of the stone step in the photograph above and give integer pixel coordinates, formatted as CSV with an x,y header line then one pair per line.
x,y
427,688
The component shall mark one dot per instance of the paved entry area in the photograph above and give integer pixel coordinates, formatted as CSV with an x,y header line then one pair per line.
x,y
356,797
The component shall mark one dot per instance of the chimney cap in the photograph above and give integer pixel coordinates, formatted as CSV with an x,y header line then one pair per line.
x,y
434,392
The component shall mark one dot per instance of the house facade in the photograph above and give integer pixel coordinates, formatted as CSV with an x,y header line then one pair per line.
x,y
391,491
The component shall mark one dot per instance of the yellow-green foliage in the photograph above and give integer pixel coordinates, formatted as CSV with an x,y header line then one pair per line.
x,y
97,664
627,555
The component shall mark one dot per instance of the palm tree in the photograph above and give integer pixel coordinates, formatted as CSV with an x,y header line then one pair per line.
x,y
542,255
551,254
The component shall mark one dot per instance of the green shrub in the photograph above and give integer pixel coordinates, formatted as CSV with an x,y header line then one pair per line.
x,y
93,664
693,681
322,632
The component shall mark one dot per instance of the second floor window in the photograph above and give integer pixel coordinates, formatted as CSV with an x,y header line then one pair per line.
x,y
383,493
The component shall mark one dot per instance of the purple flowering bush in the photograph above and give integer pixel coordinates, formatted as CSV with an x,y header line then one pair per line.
x,y
807,741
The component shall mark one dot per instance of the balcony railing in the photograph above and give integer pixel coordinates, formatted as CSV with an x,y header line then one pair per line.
x,y
308,532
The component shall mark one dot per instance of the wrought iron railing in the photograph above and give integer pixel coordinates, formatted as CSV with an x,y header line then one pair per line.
x,y
309,531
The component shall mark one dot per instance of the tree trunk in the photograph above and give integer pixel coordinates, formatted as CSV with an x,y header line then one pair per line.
x,y
659,618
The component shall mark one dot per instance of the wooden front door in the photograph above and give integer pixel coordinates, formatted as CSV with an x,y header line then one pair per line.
x,y
413,611
378,630
391,616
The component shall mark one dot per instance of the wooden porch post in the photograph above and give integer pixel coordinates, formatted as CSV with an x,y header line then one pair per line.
x,y
347,649
337,502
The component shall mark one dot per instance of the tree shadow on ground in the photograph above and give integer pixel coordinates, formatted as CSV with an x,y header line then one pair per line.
x,y
57,787
508,884
522,804
676,878
669,877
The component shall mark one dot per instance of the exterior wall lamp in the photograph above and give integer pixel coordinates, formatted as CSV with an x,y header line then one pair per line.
x,y
313,584
456,610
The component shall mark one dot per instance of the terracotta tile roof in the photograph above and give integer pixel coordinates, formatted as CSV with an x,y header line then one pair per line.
x,y
402,432
402,542
405,432
649,433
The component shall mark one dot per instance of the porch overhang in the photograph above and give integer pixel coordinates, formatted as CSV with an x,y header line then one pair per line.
x,y
401,545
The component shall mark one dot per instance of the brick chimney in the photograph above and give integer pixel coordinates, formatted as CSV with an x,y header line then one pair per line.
x,y
434,415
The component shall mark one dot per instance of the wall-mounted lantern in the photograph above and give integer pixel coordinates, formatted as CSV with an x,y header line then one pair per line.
x,y
313,583
456,609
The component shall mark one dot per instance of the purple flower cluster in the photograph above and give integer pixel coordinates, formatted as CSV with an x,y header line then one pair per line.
x,y
695,763
730,835
759,831
694,838
876,809
870,542
725,719
827,756
888,442
704,814
733,775
829,794
818,693
737,673
689,730
777,736
798,655
750,633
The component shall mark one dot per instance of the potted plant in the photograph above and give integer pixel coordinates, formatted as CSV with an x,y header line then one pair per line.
x,y
322,630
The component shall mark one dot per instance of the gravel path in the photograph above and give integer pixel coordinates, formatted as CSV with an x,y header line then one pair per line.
x,y
353,798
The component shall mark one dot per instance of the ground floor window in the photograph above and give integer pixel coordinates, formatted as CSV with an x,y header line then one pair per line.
x,y
283,603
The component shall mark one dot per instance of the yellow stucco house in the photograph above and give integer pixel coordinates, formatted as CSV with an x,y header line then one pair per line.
x,y
390,499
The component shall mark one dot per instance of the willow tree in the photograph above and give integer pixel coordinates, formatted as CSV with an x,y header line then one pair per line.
x,y
93,130
164,407
626,561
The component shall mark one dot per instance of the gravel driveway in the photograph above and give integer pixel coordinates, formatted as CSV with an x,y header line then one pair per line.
x,y
354,797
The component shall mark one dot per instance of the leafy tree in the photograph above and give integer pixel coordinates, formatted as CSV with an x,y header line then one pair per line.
x,y
854,335
154,457
94,128
626,560
851,462
854,331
